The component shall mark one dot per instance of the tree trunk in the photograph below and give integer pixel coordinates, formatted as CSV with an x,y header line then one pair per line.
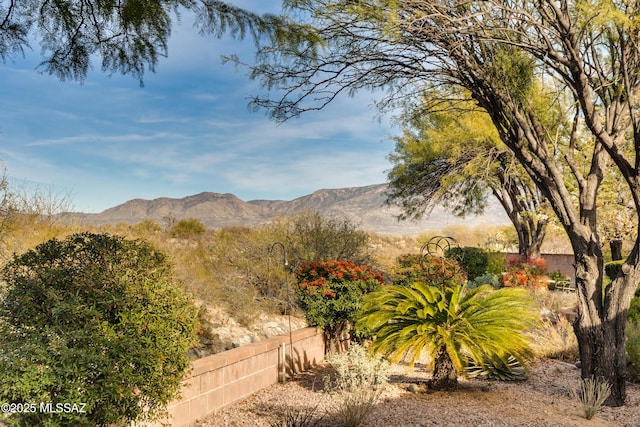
x,y
616,249
602,354
445,376
531,233
601,322
337,338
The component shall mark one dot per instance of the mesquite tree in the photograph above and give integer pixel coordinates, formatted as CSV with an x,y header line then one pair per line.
x,y
582,54
457,160
127,36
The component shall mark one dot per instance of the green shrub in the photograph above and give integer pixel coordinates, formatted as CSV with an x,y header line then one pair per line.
x,y
634,310
432,270
358,376
473,260
591,396
147,227
407,270
330,294
187,228
310,236
356,369
486,279
497,263
93,320
632,332
612,269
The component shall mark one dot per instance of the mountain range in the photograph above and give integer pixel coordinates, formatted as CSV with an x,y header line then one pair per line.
x,y
363,205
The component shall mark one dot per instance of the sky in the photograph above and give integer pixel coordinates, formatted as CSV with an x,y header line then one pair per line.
x,y
188,130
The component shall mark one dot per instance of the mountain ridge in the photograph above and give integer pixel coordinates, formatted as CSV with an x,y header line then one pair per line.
x,y
364,205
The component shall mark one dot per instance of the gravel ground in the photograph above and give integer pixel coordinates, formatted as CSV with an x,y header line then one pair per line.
x,y
544,400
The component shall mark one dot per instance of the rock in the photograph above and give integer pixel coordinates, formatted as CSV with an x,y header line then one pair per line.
x,y
413,388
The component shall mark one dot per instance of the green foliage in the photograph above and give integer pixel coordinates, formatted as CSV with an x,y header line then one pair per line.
x,y
512,71
147,227
434,270
497,263
453,157
634,310
612,269
632,332
241,269
331,292
591,396
187,228
93,319
479,324
473,260
356,369
129,37
497,369
407,270
358,376
486,279
310,236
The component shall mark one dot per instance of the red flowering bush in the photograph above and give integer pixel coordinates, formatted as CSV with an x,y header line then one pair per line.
x,y
330,292
526,272
432,270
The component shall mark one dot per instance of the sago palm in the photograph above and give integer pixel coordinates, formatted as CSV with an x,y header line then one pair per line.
x,y
454,324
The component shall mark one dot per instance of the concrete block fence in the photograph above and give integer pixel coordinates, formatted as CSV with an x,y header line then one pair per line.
x,y
556,262
224,378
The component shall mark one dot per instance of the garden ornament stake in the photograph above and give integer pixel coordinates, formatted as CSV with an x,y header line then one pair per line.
x,y
286,281
438,247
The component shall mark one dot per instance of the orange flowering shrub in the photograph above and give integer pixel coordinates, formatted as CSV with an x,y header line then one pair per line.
x,y
432,270
526,272
330,292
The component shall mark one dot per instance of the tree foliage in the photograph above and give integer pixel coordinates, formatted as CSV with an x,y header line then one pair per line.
x,y
311,236
128,36
455,158
93,320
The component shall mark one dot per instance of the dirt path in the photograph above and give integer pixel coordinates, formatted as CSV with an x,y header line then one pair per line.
x,y
544,400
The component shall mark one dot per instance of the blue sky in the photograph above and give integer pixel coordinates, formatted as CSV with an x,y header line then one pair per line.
x,y
186,131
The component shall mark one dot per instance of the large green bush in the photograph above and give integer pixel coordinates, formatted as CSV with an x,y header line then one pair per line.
x,y
310,236
612,269
92,320
473,260
187,228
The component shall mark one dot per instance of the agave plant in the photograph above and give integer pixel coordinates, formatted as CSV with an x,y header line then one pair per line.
x,y
496,369
454,324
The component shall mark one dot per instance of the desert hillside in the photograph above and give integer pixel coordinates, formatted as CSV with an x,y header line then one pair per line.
x,y
365,205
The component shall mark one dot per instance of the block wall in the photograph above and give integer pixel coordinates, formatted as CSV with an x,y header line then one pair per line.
x,y
556,262
224,378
